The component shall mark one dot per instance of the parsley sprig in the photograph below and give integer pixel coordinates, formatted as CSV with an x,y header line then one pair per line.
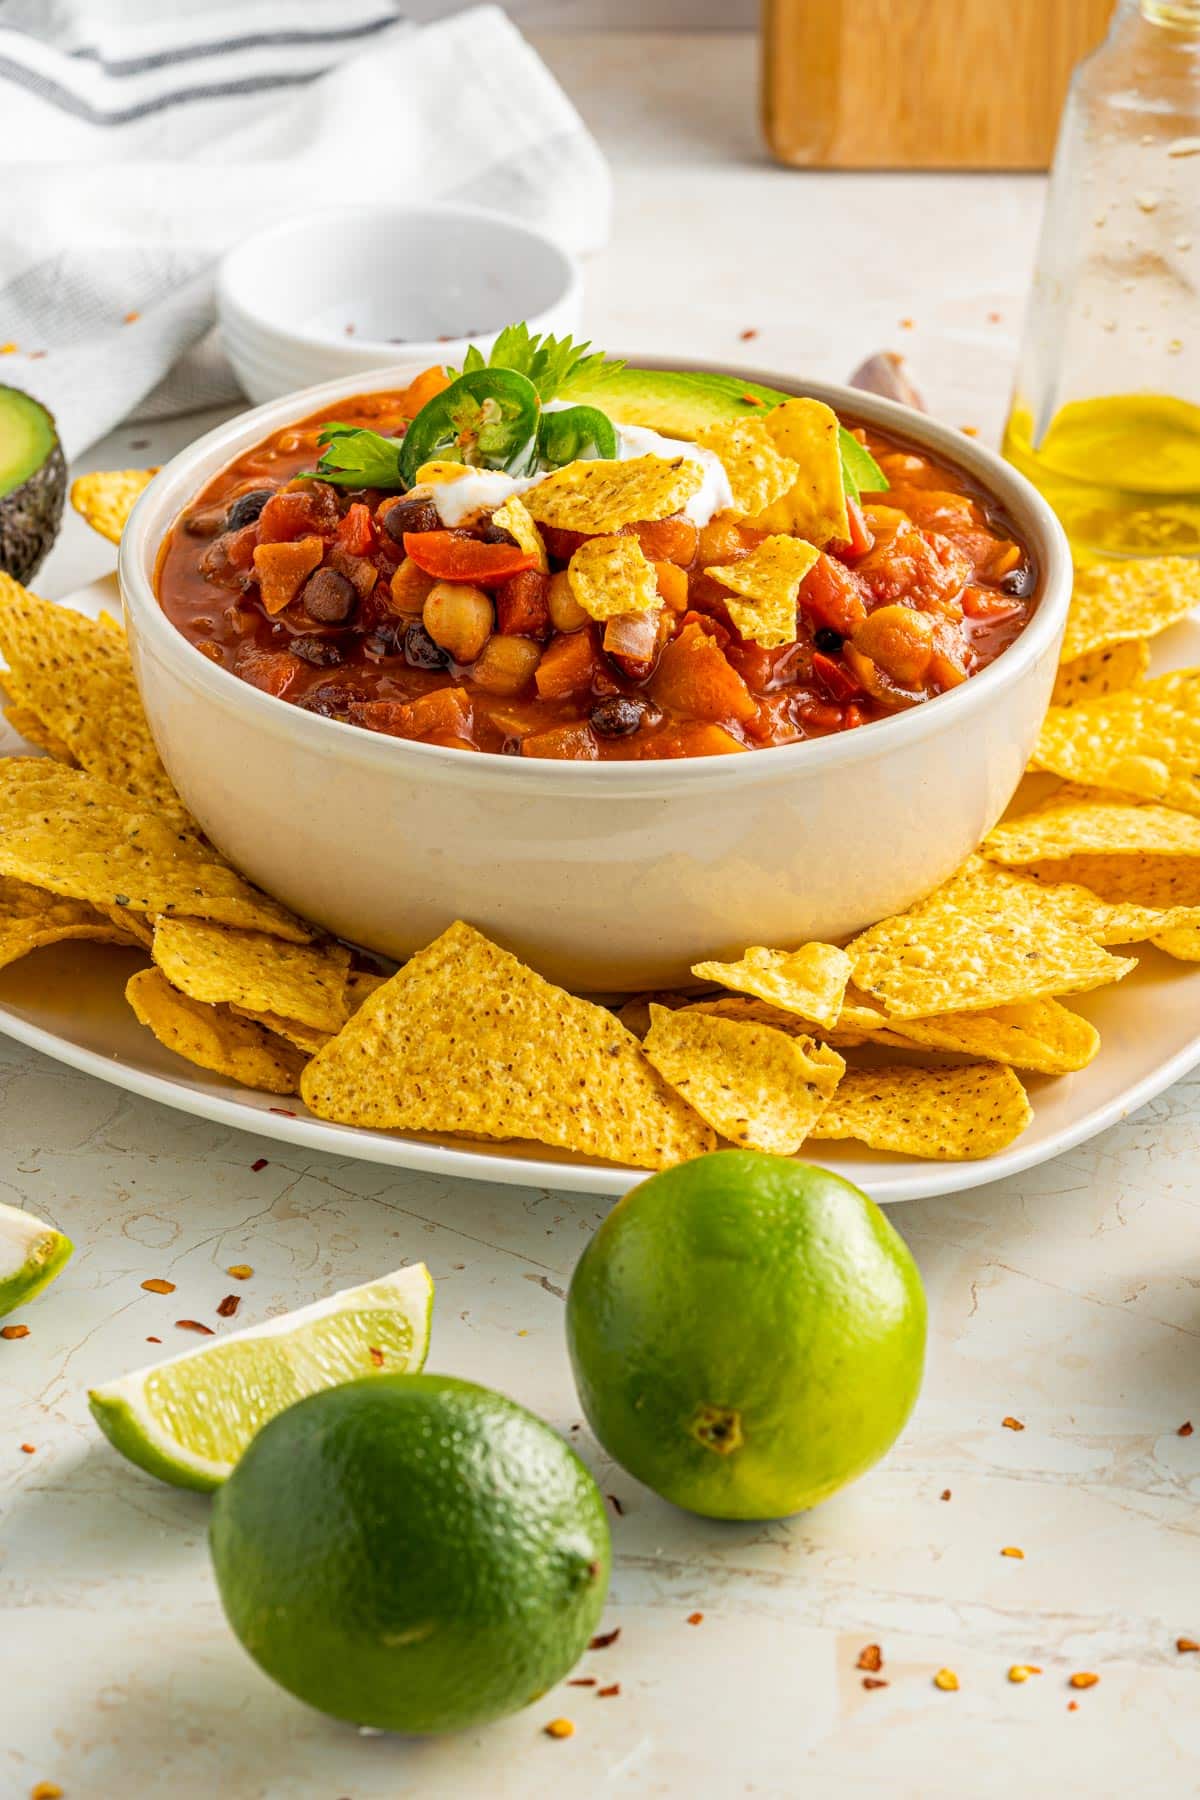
x,y
552,364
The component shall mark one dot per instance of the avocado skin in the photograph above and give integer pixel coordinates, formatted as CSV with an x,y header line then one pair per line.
x,y
30,515
676,403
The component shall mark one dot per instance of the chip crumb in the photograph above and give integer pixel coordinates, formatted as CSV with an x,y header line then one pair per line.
x,y
1011,1550
45,1790
947,1680
229,1305
873,1681
240,1271
194,1325
945,1494
1084,1679
1186,1429
156,1285
606,1693
1011,1424
30,1448
605,1638
9,349
1022,1671
969,430
14,1331
695,1618
560,1728
1181,1644
907,325
870,1657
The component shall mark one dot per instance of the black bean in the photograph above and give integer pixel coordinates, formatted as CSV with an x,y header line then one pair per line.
x,y
495,534
321,652
329,597
411,515
387,639
616,717
1018,582
246,508
329,700
207,522
420,651
827,640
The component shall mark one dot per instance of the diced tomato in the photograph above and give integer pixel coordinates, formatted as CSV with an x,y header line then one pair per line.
x,y
987,603
356,533
229,556
695,679
451,556
861,537
427,385
568,666
443,712
271,670
283,568
522,608
852,716
566,743
837,681
297,512
831,595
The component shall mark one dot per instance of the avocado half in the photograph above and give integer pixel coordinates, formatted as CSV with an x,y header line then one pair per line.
x,y
674,402
33,483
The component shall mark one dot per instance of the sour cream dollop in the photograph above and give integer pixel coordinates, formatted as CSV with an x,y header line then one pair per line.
x,y
483,490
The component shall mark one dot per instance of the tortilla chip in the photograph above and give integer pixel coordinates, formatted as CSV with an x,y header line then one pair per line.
x,y
985,938
75,674
761,1089
303,982
309,1038
807,432
515,518
947,1115
810,981
26,723
1140,864
770,579
431,473
133,925
1103,671
107,497
1116,602
212,1038
466,1039
1128,897
610,576
600,496
63,830
757,473
1183,944
1136,741
1077,822
31,918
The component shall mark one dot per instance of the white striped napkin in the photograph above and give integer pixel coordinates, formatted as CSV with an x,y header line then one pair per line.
x,y
143,137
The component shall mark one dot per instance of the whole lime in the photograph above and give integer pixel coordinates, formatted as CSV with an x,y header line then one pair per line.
x,y
747,1334
411,1552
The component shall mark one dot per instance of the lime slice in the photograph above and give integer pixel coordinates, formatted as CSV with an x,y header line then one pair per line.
x,y
187,1420
31,1255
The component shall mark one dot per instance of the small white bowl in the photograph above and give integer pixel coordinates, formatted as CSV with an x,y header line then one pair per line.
x,y
343,289
607,875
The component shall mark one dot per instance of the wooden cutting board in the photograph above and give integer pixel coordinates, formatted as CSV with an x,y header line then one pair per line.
x,y
921,84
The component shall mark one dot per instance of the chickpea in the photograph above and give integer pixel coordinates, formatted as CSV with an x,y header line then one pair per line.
x,y
566,614
410,587
507,665
459,618
900,640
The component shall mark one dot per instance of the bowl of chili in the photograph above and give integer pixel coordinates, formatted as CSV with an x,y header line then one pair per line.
x,y
619,869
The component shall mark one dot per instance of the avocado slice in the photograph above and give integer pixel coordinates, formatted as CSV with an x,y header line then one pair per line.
x,y
671,401
33,483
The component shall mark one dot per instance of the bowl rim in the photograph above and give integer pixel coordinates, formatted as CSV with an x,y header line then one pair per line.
x,y
234,306
179,479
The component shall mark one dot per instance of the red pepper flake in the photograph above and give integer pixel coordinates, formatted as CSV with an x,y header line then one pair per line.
x,y
14,1331
1183,1645
751,399
1084,1679
695,1618
616,1505
1186,1429
1072,1706
945,1494
605,1638
583,1681
376,1355
608,1692
131,318
36,355
751,331
873,1681
153,1340
240,1271
156,1285
870,1657
29,1449
229,1306
283,1112
194,1325
256,1166
1011,1424
994,318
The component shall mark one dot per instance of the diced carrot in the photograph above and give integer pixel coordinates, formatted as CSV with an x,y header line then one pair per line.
x,y
282,569
672,540
672,585
694,678
441,713
271,670
418,393
522,607
356,533
830,595
566,743
567,666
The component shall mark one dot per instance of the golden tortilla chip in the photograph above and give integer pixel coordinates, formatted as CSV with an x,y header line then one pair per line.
x,y
1129,897
75,674
1136,741
1114,602
806,431
769,578
1124,871
132,925
948,1115
761,1089
985,938
600,496
757,473
1077,822
610,576
810,981
1103,671
31,918
1183,944
63,830
310,1039
212,1038
302,982
515,518
466,1039
431,473
107,497
26,723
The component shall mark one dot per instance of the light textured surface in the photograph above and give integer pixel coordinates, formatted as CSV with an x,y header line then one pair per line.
x,y
1068,1298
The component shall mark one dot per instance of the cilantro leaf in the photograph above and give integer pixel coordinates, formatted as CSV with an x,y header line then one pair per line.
x,y
552,364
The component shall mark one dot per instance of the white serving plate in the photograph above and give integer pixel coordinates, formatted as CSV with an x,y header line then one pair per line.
x,y
68,1002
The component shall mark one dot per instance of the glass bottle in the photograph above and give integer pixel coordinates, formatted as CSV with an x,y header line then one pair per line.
x,y
1105,417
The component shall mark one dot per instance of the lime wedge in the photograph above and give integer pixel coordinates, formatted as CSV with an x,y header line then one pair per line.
x,y
187,1420
31,1255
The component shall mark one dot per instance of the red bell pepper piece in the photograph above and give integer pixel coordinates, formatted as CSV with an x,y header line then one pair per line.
x,y
356,533
451,556
861,536
838,683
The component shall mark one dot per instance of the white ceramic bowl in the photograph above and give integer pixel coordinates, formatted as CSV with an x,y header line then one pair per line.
x,y
418,282
605,876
